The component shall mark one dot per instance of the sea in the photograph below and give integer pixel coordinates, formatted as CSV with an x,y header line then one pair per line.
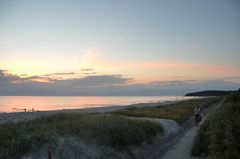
x,y
43,103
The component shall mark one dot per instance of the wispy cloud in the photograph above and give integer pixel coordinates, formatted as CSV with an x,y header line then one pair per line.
x,y
89,73
60,74
87,69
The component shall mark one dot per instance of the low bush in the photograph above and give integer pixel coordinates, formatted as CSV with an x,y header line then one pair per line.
x,y
108,130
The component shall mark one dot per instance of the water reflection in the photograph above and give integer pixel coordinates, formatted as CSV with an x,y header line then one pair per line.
x,y
34,103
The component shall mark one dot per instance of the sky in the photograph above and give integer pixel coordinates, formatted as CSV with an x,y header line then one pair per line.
x,y
111,47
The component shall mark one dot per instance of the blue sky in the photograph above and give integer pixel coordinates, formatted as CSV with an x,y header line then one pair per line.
x,y
145,40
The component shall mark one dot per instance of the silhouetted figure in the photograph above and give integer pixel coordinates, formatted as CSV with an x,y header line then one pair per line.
x,y
49,153
197,114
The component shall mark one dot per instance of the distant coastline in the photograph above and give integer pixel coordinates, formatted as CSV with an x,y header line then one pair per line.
x,y
212,93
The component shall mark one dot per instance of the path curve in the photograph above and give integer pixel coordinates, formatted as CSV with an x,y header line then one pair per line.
x,y
170,127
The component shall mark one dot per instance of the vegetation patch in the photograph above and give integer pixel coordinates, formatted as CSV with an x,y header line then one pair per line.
x,y
108,130
219,135
180,111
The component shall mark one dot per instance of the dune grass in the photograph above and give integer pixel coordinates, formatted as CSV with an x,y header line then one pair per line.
x,y
179,111
108,130
218,138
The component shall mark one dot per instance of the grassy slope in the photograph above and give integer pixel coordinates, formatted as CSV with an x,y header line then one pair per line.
x,y
109,130
179,112
219,137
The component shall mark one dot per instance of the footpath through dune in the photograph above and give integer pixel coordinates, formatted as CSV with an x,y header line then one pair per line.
x,y
182,148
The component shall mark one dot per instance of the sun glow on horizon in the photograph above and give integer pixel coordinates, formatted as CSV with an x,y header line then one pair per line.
x,y
93,63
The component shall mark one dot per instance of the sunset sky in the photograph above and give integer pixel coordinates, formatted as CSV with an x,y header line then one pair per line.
x,y
118,45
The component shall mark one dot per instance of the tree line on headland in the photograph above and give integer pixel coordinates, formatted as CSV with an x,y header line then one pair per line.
x,y
212,93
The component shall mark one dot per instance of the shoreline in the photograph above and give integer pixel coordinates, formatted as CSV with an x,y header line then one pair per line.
x,y
6,117
16,104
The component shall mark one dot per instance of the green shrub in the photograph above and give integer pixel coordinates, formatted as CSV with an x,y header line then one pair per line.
x,y
15,140
201,142
109,130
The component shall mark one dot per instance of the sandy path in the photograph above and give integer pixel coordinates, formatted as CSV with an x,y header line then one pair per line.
x,y
181,150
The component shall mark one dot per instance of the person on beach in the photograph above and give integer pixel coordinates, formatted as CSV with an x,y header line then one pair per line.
x,y
197,114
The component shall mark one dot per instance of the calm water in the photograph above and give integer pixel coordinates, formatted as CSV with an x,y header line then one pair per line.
x,y
19,103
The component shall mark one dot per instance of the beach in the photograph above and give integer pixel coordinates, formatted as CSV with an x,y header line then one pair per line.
x,y
21,116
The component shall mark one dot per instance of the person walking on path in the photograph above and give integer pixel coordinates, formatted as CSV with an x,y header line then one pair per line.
x,y
197,114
